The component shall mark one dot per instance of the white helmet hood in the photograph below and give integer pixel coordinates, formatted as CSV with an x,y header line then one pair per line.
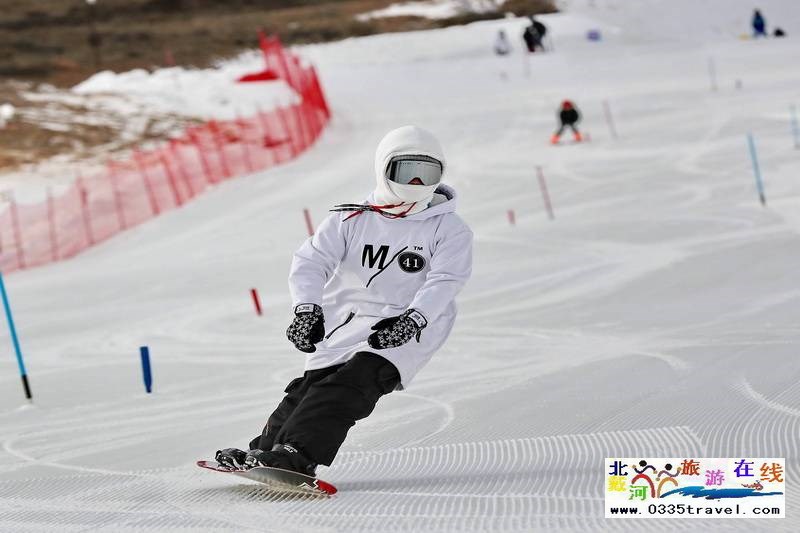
x,y
407,140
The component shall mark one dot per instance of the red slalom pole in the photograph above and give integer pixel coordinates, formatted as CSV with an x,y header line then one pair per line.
x,y
112,178
545,195
248,161
512,218
309,224
169,58
301,112
256,301
172,181
17,232
609,120
195,140
266,141
175,148
214,128
87,216
293,149
51,224
151,196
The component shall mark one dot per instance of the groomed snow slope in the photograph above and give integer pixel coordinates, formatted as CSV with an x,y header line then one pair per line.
x,y
657,315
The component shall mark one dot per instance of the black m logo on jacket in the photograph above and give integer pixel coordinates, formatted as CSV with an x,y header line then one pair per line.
x,y
368,256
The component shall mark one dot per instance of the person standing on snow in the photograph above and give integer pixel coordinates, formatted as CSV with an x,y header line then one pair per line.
x,y
501,45
534,35
568,117
373,293
759,24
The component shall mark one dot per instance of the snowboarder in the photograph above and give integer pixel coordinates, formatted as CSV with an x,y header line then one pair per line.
x,y
373,293
759,25
534,35
568,116
501,45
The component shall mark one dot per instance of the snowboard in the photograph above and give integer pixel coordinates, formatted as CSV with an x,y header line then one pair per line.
x,y
276,478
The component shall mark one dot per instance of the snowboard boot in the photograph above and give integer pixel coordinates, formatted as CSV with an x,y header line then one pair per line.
x,y
554,139
578,137
232,458
283,456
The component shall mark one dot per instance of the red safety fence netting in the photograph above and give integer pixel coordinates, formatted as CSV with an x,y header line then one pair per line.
x,y
129,192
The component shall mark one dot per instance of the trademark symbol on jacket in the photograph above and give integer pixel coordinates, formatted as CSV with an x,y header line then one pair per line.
x,y
411,262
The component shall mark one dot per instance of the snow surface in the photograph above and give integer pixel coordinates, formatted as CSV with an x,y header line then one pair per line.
x,y
433,9
205,93
656,316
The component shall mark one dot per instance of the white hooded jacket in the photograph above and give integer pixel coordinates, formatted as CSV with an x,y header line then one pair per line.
x,y
372,266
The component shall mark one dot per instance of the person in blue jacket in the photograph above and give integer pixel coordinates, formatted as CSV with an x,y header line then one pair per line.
x,y
759,24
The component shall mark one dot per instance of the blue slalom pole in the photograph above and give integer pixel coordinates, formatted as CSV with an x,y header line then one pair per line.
x,y
22,372
146,374
756,169
795,128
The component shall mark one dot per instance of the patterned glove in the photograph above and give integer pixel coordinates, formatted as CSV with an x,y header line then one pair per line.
x,y
307,328
397,330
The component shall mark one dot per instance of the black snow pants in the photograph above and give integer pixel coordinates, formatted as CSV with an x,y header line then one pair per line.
x,y
564,126
322,405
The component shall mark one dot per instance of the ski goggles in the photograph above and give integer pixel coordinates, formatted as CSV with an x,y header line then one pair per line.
x,y
414,170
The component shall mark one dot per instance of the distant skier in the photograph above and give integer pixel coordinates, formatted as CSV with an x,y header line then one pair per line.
x,y
501,45
568,117
759,24
384,275
534,35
